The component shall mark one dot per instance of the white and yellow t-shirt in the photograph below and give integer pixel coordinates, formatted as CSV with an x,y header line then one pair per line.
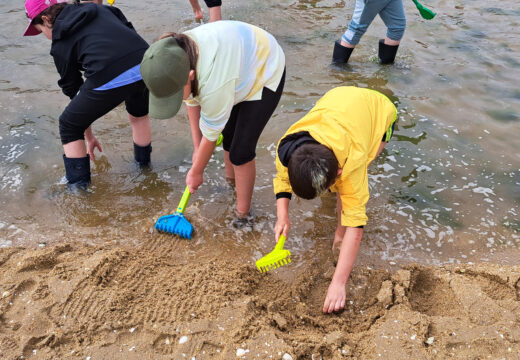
x,y
236,61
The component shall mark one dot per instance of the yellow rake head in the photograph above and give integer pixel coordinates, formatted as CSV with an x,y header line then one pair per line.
x,y
276,258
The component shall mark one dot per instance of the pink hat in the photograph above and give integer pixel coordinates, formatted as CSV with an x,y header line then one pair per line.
x,y
33,8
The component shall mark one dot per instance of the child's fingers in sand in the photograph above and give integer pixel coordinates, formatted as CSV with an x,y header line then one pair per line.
x,y
335,299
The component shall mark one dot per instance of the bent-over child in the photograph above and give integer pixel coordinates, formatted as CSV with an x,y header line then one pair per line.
x,y
99,43
234,73
331,148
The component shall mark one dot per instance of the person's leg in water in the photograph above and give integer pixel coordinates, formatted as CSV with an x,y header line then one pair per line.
x,y
230,172
215,12
395,20
364,13
76,133
137,108
142,137
240,138
89,105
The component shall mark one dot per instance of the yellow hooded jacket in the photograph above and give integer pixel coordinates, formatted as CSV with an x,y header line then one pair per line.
x,y
351,122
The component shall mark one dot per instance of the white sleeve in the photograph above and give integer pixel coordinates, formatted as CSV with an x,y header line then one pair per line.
x,y
215,110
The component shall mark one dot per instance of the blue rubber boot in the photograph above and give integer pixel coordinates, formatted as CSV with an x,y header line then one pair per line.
x,y
77,171
142,154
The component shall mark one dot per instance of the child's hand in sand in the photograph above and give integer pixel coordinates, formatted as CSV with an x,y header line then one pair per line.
x,y
335,299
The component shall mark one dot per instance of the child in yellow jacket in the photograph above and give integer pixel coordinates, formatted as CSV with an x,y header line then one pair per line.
x,y
331,147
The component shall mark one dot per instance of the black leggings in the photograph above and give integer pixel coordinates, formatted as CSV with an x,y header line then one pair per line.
x,y
89,105
246,122
213,3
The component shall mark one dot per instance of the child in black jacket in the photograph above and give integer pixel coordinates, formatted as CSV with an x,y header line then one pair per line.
x,y
96,42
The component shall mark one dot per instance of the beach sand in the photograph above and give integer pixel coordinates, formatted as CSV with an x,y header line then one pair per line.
x,y
75,301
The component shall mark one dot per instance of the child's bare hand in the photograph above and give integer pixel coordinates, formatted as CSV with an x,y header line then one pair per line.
x,y
93,143
282,226
194,180
335,299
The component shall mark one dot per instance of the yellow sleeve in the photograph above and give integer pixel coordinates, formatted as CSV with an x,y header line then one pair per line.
x,y
281,181
353,191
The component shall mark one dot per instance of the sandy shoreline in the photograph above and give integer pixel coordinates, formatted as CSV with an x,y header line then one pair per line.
x,y
151,302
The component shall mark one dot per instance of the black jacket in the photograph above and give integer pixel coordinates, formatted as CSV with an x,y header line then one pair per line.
x,y
97,40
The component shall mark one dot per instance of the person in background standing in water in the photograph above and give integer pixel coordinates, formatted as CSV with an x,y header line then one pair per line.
x,y
392,14
331,147
234,73
100,42
215,13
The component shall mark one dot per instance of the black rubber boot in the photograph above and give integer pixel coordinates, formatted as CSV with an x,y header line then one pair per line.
x,y
341,54
142,154
387,52
77,171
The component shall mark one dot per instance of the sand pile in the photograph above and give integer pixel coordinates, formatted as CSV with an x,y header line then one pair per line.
x,y
151,302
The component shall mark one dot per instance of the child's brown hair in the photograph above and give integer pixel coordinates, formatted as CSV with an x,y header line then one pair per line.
x,y
312,169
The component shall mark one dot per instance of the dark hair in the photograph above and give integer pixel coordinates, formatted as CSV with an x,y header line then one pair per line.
x,y
312,169
51,12
188,45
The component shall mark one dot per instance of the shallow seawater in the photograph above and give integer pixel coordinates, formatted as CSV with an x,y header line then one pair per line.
x,y
446,188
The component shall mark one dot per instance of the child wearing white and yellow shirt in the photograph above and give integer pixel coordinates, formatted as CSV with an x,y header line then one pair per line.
x,y
331,147
234,75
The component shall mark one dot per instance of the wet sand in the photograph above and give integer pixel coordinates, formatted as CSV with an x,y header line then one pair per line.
x,y
74,301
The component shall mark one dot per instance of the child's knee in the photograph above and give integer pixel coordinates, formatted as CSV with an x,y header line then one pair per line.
x,y
396,31
139,119
69,131
241,158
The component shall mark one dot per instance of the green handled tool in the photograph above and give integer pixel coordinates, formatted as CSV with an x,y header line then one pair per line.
x,y
424,11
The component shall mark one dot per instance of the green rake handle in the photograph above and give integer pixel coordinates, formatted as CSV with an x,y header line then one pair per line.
x,y
186,196
184,200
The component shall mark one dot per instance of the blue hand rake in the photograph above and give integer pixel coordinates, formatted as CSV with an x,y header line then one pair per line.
x,y
176,224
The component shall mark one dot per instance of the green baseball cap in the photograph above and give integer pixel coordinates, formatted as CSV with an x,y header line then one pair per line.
x,y
165,69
